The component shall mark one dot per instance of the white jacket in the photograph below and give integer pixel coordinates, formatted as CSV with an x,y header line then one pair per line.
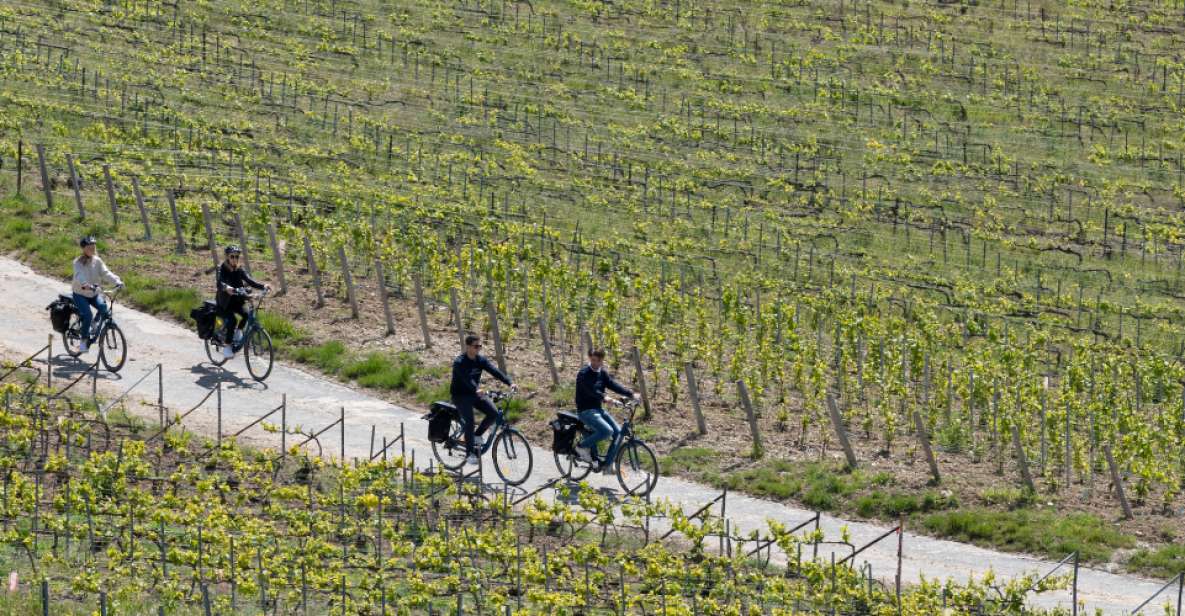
x,y
92,272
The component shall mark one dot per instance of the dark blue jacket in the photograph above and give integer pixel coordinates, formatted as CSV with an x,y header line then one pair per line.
x,y
467,375
591,386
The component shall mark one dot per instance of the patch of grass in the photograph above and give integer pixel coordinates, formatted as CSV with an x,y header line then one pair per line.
x,y
280,328
430,394
1036,532
818,485
372,363
564,396
895,504
328,357
516,408
153,296
383,371
686,459
1163,562
1012,498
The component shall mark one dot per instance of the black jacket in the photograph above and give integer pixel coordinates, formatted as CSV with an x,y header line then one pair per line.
x,y
591,385
467,375
234,279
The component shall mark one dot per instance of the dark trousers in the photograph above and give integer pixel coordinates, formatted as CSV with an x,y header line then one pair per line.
x,y
234,314
465,407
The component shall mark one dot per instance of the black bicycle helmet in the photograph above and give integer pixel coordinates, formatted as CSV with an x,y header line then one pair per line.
x,y
233,250
87,240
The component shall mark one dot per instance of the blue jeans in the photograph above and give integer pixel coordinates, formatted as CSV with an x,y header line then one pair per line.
x,y
83,304
603,427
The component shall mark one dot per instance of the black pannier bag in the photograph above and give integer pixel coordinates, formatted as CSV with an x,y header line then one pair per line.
x,y
60,312
204,317
440,421
563,434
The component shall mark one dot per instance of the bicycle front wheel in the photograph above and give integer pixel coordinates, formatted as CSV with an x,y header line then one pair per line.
x,y
113,348
512,457
451,453
637,468
259,354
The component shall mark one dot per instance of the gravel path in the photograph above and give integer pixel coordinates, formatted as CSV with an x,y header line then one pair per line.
x,y
315,402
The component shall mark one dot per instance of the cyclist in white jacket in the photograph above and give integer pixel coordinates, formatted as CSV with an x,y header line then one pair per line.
x,y
89,273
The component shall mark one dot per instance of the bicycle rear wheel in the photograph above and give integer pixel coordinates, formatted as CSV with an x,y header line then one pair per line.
x,y
213,349
259,354
637,468
451,453
571,467
512,457
72,337
113,348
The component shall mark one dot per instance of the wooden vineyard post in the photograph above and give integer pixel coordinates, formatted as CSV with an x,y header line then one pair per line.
x,y
693,391
277,258
44,177
499,350
74,183
20,165
243,242
311,262
924,439
349,279
751,415
140,205
1022,460
111,195
458,318
210,234
1117,480
547,354
381,284
176,221
840,432
641,382
422,309
586,340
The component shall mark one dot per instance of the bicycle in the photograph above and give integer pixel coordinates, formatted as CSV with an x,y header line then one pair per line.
x,y
511,452
636,466
256,342
109,337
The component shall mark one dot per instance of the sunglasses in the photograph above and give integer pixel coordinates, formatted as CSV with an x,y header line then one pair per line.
x,y
234,257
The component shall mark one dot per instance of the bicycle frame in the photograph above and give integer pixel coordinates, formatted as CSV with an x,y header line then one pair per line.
x,y
103,322
626,433
500,424
252,324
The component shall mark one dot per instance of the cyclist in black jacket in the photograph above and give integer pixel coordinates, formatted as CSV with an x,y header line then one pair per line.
x,y
591,383
232,282
466,395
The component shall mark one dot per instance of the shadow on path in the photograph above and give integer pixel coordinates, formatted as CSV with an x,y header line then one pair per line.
x,y
68,368
209,376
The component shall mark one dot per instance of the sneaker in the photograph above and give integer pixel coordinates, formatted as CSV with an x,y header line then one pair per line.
x,y
606,470
228,352
84,346
477,441
584,453
238,336
472,459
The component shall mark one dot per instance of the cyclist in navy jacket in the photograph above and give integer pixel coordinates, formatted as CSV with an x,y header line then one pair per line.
x,y
466,395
